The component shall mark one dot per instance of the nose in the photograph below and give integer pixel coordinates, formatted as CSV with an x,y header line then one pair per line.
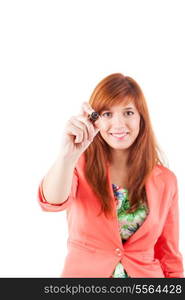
x,y
118,123
118,120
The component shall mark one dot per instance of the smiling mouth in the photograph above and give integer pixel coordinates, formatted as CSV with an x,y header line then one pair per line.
x,y
119,137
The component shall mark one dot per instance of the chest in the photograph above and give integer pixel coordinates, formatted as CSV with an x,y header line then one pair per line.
x,y
119,177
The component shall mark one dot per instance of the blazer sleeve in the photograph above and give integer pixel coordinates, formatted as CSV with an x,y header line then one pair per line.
x,y
167,245
51,207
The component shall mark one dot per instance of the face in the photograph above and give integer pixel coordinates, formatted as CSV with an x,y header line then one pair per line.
x,y
120,125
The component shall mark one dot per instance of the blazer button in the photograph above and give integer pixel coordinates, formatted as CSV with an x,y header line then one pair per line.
x,y
118,252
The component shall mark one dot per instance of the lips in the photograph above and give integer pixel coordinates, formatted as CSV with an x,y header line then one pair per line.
x,y
120,136
122,132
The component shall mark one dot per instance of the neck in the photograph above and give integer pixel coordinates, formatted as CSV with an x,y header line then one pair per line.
x,y
119,158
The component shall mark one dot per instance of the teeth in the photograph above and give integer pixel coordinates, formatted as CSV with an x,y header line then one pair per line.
x,y
118,135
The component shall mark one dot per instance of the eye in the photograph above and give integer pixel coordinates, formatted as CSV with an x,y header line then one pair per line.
x,y
129,113
106,113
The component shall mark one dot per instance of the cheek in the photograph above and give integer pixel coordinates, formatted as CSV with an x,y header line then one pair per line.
x,y
104,127
103,133
135,125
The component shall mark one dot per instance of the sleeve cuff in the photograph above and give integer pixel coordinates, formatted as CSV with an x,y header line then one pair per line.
x,y
46,206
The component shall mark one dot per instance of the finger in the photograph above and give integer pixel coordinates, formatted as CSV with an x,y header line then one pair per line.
x,y
75,132
81,123
86,109
89,127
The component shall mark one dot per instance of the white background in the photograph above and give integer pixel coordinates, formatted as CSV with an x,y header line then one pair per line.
x,y
52,54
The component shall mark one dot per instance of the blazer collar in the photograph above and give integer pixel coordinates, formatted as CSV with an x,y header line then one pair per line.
x,y
154,191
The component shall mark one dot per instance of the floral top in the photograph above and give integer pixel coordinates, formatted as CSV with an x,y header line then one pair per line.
x,y
128,222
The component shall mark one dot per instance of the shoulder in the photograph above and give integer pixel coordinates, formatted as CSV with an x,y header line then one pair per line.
x,y
165,174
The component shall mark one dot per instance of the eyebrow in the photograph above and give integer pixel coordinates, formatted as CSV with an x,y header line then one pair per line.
x,y
128,108
125,108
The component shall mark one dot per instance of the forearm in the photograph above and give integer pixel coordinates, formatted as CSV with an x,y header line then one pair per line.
x,y
57,182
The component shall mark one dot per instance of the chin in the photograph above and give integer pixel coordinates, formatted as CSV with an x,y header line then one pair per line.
x,y
119,147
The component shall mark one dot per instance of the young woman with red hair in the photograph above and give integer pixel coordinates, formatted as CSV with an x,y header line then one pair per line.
x,y
121,201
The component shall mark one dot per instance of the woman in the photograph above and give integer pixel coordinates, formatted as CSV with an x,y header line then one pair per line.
x,y
121,201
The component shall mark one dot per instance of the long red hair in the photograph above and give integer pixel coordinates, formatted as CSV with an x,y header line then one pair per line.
x,y
143,153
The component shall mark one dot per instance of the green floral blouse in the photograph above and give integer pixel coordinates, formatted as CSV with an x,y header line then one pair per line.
x,y
128,222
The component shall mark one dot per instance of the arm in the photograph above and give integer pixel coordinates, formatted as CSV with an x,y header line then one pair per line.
x,y
167,246
59,186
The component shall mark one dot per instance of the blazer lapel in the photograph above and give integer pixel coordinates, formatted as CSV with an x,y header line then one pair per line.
x,y
154,191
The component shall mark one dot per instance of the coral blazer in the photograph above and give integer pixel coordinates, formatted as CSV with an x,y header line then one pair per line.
x,y
94,243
